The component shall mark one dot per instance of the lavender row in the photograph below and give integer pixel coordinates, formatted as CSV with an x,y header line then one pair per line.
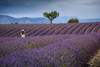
x,y
17,32
60,29
90,28
27,30
40,30
84,29
72,52
72,29
10,30
66,29
53,30
78,29
8,45
96,28
47,30
36,29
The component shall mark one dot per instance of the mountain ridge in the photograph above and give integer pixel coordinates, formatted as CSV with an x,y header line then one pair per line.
x,y
6,19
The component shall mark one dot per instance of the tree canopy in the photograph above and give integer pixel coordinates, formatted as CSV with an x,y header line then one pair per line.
x,y
16,23
51,15
73,20
11,23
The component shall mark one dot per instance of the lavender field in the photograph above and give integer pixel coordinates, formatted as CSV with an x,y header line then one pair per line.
x,y
49,45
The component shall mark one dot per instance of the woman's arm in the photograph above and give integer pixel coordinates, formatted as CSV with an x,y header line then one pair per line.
x,y
20,33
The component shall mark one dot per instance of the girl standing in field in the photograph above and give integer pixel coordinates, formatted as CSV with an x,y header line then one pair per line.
x,y
23,33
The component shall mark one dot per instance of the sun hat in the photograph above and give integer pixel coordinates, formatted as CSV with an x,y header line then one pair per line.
x,y
22,29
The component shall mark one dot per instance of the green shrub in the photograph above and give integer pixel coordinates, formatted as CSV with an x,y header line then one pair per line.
x,y
73,20
16,23
11,23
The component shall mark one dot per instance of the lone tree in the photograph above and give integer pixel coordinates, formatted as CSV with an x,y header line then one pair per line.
x,y
11,23
16,23
73,20
51,15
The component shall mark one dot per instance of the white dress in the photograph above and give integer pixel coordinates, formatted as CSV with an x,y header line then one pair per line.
x,y
22,35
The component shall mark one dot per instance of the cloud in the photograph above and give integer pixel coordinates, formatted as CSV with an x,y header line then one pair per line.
x,y
77,8
80,8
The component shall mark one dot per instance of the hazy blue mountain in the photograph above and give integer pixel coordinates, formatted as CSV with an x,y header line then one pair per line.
x,y
90,20
4,19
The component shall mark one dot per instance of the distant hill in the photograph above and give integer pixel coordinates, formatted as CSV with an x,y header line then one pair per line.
x,y
90,20
5,19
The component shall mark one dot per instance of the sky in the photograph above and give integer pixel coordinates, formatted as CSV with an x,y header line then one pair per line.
x,y
83,9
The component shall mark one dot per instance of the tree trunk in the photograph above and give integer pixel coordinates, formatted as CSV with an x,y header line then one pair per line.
x,y
50,21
